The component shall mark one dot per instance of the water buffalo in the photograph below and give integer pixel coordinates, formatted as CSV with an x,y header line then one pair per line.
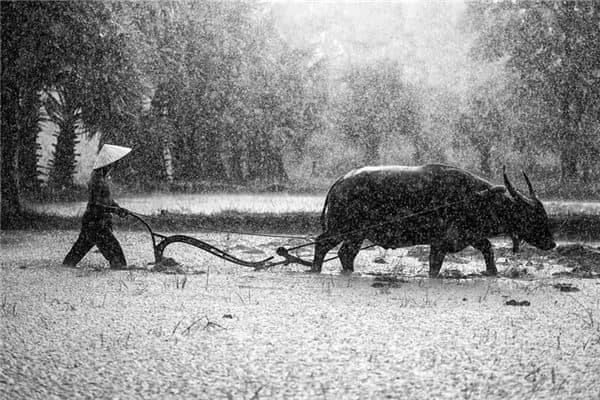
x,y
443,206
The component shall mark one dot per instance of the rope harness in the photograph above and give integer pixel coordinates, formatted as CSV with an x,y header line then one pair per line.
x,y
242,233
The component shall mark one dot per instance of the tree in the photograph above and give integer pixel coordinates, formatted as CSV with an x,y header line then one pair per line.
x,y
234,94
193,51
485,124
69,47
439,111
99,89
379,104
22,74
288,100
553,48
66,114
28,153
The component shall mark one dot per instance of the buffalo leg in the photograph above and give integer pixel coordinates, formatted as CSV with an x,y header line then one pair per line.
x,y
322,247
348,253
436,258
515,243
485,247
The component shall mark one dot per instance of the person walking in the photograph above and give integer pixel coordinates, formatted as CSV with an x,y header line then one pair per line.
x,y
96,224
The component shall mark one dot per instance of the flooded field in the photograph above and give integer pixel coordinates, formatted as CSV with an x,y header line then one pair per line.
x,y
213,329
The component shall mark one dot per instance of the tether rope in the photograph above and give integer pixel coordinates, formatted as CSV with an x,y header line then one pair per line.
x,y
273,235
257,234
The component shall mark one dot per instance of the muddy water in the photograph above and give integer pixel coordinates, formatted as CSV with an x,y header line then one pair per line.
x,y
405,262
413,261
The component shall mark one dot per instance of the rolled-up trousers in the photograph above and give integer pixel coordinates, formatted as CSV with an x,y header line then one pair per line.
x,y
103,238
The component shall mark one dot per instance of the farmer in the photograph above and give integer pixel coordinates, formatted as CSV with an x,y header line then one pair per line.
x,y
96,224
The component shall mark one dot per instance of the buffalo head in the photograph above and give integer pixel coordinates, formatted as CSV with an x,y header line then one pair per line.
x,y
531,220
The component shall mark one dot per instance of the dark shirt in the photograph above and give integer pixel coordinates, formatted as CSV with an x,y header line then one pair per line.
x,y
97,212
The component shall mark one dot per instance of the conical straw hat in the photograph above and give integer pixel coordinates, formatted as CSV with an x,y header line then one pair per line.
x,y
109,154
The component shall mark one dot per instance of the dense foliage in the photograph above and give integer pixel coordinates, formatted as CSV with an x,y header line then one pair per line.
x,y
216,92
378,104
553,49
227,94
69,48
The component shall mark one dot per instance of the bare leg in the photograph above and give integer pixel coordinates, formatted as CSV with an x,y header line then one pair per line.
x,y
485,247
436,258
322,247
348,253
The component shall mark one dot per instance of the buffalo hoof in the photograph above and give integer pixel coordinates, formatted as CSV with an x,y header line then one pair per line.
x,y
435,275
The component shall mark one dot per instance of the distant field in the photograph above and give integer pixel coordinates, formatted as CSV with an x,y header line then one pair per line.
x,y
564,207
278,203
207,204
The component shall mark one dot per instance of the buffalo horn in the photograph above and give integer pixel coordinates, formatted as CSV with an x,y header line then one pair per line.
x,y
531,192
513,192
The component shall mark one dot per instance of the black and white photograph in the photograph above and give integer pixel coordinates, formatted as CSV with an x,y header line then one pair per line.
x,y
300,199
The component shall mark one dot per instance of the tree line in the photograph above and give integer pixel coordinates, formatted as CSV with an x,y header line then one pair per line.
x,y
210,91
